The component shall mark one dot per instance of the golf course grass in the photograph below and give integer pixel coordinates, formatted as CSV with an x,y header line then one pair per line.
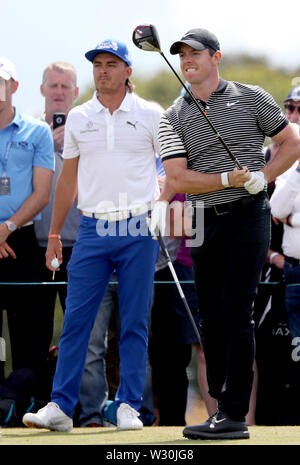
x,y
171,436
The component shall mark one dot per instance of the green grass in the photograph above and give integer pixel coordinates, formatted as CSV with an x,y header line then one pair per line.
x,y
172,436
160,436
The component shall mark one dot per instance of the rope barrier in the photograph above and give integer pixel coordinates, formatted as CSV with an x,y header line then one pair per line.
x,y
64,283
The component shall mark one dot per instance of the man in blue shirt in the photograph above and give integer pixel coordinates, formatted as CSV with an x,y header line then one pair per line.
x,y
26,170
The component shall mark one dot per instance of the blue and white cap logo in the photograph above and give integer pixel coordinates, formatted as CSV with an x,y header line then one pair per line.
x,y
110,46
107,45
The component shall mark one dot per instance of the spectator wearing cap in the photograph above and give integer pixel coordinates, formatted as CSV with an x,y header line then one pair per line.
x,y
292,110
236,226
26,171
292,105
271,299
285,205
110,154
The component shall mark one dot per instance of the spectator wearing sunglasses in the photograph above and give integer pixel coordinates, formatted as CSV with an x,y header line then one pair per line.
x,y
270,306
285,205
292,105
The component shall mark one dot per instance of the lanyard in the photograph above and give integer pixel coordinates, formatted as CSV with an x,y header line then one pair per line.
x,y
8,147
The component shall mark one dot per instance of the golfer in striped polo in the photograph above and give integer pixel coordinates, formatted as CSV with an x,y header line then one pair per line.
x,y
228,264
110,154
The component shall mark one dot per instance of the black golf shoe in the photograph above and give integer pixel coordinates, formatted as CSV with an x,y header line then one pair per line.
x,y
218,426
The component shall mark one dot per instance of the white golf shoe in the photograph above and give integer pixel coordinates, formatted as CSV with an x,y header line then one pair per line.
x,y
50,417
127,418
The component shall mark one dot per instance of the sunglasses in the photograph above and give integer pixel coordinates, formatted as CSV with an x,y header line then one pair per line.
x,y
290,108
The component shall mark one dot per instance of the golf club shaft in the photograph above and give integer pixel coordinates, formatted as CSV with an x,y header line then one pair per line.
x,y
171,267
234,159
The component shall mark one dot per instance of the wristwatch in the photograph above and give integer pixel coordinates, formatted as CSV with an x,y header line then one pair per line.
x,y
11,226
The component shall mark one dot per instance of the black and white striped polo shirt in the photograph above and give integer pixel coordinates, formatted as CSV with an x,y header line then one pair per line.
x,y
242,114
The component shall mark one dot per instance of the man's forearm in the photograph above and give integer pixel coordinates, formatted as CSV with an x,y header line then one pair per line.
x,y
167,192
30,208
40,197
288,152
182,180
65,195
283,160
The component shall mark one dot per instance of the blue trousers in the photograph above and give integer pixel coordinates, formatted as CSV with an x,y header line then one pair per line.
x,y
93,259
94,386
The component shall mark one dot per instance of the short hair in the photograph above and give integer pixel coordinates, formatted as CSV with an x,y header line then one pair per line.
x,y
211,51
61,67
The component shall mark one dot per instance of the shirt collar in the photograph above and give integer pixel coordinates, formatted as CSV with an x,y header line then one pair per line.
x,y
17,121
125,104
221,87
219,90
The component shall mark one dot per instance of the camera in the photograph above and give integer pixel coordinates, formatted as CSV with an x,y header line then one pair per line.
x,y
59,119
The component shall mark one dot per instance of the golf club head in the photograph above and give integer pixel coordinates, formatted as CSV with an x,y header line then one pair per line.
x,y
146,37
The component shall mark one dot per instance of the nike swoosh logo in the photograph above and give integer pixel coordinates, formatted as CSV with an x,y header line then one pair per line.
x,y
230,104
220,421
213,425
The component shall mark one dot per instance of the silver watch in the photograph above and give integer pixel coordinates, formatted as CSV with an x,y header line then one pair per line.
x,y
11,226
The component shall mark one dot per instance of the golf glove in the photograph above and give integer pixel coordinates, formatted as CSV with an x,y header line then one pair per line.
x,y
256,183
158,220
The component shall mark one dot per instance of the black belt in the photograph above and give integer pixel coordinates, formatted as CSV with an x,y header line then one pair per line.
x,y
292,261
230,207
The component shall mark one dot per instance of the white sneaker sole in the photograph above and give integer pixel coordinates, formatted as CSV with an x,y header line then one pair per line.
x,y
129,428
35,424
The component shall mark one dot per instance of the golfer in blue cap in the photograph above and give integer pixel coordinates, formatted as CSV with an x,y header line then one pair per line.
x,y
110,163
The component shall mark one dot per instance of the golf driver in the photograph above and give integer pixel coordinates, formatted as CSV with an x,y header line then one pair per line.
x,y
146,38
171,267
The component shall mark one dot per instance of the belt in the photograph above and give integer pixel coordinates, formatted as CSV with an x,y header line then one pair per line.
x,y
120,214
230,207
26,224
292,261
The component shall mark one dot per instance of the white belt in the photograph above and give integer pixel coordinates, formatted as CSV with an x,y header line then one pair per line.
x,y
26,224
119,215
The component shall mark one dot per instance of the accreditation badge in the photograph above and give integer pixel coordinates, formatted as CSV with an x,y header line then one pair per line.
x,y
5,186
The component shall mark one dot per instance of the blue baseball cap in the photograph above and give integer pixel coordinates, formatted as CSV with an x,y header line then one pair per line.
x,y
294,94
110,46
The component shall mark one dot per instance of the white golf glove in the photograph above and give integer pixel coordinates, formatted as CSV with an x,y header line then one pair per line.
x,y
158,220
256,183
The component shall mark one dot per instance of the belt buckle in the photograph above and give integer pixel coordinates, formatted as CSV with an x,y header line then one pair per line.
x,y
220,213
118,215
134,211
112,217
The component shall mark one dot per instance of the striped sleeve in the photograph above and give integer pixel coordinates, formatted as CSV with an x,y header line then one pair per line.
x,y
270,117
171,145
